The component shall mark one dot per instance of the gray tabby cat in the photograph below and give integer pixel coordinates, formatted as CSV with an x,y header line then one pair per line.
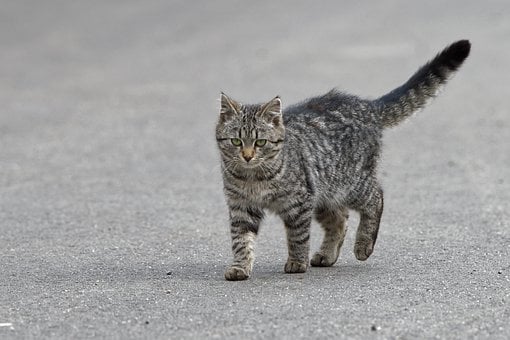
x,y
317,159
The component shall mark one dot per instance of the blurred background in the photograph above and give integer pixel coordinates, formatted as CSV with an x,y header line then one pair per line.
x,y
110,178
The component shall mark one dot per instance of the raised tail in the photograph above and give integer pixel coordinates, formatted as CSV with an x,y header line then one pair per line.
x,y
403,101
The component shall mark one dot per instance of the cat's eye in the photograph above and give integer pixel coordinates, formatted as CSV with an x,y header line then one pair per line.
x,y
236,141
260,142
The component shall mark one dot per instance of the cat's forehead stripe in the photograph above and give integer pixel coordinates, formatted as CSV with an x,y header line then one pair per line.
x,y
248,131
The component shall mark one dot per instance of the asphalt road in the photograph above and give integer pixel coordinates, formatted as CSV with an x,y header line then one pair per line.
x,y
112,217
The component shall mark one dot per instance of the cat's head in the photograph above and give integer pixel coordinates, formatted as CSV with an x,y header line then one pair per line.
x,y
250,135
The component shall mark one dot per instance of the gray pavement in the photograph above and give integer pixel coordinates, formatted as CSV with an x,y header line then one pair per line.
x,y
112,218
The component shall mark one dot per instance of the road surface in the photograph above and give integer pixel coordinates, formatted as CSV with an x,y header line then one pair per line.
x,y
112,217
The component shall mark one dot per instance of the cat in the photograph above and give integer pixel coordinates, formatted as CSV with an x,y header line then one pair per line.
x,y
317,159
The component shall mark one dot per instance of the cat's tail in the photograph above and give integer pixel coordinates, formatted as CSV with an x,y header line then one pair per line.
x,y
424,85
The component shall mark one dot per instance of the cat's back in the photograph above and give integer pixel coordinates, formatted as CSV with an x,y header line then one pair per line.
x,y
335,123
331,110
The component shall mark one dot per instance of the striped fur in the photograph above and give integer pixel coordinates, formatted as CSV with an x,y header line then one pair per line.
x,y
318,159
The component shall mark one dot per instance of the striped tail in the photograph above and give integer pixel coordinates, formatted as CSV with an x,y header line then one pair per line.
x,y
403,101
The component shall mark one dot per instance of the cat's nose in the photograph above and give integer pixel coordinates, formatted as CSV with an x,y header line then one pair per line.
x,y
248,154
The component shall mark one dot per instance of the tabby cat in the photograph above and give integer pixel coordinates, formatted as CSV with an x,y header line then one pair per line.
x,y
317,159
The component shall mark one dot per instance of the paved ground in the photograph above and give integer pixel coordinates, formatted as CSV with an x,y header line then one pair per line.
x,y
112,219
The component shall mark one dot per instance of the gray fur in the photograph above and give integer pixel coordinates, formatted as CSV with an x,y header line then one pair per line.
x,y
319,160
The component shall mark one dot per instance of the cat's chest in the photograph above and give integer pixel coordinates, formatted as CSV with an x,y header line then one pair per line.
x,y
261,193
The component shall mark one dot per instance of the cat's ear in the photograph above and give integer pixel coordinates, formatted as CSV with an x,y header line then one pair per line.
x,y
273,107
272,111
229,107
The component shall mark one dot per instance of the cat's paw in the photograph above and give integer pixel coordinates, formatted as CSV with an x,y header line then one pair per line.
x,y
236,274
321,260
363,249
293,266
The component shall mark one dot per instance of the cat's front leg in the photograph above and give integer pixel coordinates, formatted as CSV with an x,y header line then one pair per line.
x,y
244,225
297,218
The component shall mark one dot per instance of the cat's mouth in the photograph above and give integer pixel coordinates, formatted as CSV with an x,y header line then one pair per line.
x,y
250,165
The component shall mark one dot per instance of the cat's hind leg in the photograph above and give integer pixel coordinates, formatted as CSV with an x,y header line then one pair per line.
x,y
370,218
333,221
